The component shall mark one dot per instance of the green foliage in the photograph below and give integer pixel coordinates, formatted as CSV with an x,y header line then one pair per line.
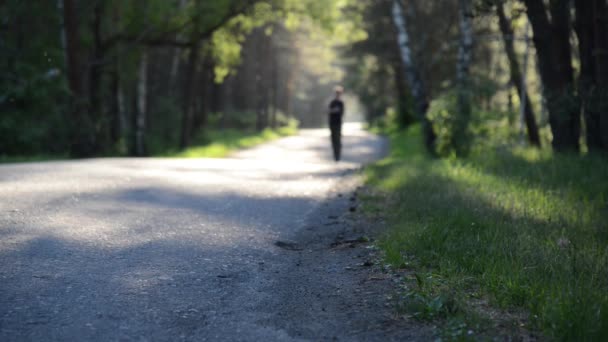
x,y
443,112
459,135
33,96
371,62
323,18
453,129
234,119
32,158
226,43
429,299
164,128
368,78
522,226
245,120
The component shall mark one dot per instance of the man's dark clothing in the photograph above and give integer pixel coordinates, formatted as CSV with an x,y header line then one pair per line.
x,y
336,111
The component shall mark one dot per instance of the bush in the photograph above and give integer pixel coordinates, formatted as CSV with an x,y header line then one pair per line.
x,y
443,114
33,115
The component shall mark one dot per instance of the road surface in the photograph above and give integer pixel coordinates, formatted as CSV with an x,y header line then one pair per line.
x,y
169,249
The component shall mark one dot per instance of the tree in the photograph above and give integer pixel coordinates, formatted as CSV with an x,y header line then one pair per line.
x,y
592,32
144,75
411,74
516,76
141,105
82,142
464,90
552,41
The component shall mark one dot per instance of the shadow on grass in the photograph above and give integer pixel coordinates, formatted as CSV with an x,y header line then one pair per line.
x,y
31,159
526,231
587,176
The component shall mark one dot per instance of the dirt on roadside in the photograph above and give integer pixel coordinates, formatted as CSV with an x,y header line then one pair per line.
x,y
336,287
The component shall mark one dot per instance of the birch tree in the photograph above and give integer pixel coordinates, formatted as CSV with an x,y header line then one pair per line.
x,y
465,53
412,75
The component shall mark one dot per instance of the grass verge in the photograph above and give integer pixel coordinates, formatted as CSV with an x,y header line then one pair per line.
x,y
31,159
523,228
218,144
212,144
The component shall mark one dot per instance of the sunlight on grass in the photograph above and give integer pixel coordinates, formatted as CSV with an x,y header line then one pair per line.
x,y
529,227
213,144
227,141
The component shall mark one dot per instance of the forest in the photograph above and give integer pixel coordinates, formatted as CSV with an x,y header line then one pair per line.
x,y
496,110
86,78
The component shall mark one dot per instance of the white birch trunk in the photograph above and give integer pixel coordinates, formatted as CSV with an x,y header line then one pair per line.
x,y
142,93
465,50
465,54
411,74
403,39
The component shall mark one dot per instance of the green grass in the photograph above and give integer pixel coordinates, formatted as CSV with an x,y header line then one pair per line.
x,y
522,227
211,144
31,159
218,144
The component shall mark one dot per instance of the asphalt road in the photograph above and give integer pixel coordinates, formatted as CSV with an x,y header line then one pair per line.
x,y
166,249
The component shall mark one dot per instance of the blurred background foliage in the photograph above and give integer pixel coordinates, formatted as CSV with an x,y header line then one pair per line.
x,y
109,77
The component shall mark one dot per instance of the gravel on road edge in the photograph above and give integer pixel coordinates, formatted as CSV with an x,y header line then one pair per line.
x,y
336,287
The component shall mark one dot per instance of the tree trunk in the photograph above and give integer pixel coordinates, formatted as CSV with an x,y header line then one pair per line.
x,y
204,81
274,87
175,59
267,80
411,74
465,54
142,94
215,102
118,119
403,109
95,79
516,77
510,97
601,60
62,34
81,128
261,81
188,107
291,81
591,24
552,41
116,129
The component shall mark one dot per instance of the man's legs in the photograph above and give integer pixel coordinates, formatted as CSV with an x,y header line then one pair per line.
x,y
336,134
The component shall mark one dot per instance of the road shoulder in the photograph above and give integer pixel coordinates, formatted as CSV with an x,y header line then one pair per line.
x,y
334,286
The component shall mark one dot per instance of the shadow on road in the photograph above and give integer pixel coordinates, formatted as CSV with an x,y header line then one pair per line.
x,y
168,249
